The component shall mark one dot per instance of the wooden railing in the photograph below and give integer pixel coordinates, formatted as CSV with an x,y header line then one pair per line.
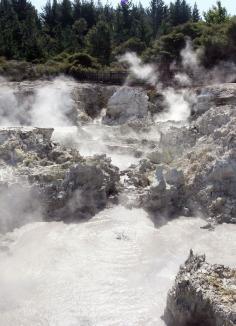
x,y
102,77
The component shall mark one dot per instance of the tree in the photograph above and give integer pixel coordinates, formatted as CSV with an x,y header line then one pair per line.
x,y
20,30
50,17
131,45
126,8
88,13
186,12
9,26
140,27
175,13
79,28
99,42
108,13
158,12
68,26
76,10
195,14
216,15
125,14
65,13
179,12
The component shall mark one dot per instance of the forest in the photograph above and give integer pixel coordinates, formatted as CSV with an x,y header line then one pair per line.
x,y
74,36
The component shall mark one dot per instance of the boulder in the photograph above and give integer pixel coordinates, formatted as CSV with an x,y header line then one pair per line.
x,y
166,195
65,185
160,156
174,177
126,104
203,295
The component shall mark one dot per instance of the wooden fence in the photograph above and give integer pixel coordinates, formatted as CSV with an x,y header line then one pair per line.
x,y
102,77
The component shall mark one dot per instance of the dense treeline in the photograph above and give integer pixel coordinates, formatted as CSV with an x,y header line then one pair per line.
x,y
80,34
82,25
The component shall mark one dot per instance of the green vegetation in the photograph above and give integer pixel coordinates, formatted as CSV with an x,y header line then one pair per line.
x,y
74,36
216,15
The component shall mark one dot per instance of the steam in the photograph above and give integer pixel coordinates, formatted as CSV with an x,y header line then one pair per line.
x,y
18,206
179,99
103,272
177,103
183,79
191,59
53,104
139,70
193,73
12,111
90,273
50,106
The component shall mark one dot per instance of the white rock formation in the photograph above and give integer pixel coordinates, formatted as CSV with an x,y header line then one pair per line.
x,y
65,185
203,295
126,104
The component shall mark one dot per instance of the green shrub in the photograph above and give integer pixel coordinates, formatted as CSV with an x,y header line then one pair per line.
x,y
63,56
131,45
83,59
2,60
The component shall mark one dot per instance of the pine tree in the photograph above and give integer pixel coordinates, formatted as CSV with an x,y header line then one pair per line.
x,y
118,26
9,35
126,8
140,27
158,14
65,13
76,10
217,14
99,42
195,14
88,13
175,13
179,12
186,12
79,28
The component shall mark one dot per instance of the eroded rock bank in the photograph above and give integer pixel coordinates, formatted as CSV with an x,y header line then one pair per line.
x,y
203,295
192,168
80,103
33,102
58,181
178,167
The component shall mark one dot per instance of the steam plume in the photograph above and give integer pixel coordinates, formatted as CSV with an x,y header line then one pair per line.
x,y
139,70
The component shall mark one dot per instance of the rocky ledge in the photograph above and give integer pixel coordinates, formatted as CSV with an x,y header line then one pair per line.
x,y
203,295
192,169
38,172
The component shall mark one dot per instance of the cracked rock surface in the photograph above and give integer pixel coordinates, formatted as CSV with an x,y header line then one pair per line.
x,y
66,185
203,295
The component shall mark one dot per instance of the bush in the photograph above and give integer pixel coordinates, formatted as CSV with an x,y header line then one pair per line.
x,y
166,49
63,56
2,60
51,68
132,45
231,31
83,59
217,40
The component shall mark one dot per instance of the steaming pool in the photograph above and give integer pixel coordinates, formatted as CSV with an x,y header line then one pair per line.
x,y
115,269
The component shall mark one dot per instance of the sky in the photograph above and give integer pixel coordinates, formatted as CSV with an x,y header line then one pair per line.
x,y
203,5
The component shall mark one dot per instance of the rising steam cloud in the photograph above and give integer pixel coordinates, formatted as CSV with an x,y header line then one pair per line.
x,y
53,105
26,208
180,98
176,102
50,106
194,73
138,69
